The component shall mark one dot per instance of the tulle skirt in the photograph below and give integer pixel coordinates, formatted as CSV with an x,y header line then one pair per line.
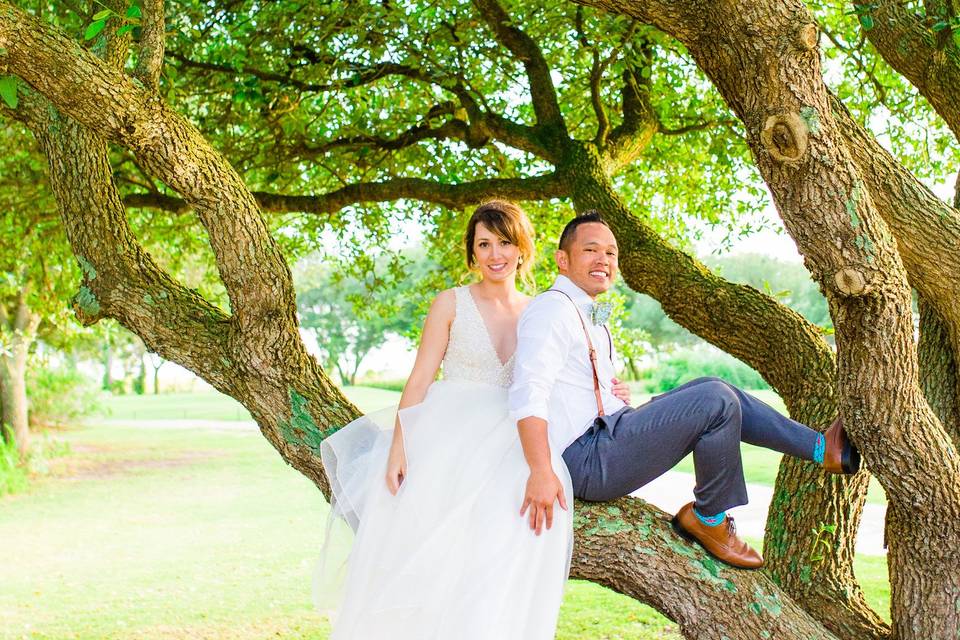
x,y
449,556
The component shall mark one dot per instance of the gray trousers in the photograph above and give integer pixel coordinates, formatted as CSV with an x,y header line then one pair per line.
x,y
624,451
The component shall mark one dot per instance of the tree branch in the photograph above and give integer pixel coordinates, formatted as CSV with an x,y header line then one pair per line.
x,y
930,62
596,75
168,146
699,126
453,196
481,122
522,46
640,123
364,74
120,280
453,129
927,229
152,41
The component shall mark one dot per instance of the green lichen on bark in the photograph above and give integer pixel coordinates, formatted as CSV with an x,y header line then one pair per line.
x,y
710,572
89,272
866,245
301,430
811,118
856,194
87,302
769,603
677,545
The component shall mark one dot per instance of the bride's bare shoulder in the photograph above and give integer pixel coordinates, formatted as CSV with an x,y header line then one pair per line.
x,y
444,305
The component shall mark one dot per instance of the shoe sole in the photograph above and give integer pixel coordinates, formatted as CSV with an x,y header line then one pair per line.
x,y
680,531
850,459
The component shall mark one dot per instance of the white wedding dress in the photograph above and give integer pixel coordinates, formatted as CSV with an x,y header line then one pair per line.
x,y
449,557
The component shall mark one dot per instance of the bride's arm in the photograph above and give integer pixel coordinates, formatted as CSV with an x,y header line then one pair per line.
x,y
433,345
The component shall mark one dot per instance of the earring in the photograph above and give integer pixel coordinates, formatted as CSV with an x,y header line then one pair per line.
x,y
520,261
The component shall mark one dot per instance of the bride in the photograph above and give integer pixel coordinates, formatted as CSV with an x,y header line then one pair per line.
x,y
441,548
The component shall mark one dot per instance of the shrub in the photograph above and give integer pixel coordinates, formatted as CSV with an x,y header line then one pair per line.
x,y
687,364
60,396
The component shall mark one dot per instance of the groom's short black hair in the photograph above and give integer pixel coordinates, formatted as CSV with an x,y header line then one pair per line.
x,y
590,215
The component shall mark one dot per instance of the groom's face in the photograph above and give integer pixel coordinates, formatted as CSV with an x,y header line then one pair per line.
x,y
590,260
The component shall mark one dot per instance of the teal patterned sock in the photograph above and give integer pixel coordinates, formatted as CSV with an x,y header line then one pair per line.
x,y
711,521
818,449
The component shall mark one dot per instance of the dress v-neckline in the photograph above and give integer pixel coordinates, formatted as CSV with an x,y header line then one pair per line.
x,y
486,330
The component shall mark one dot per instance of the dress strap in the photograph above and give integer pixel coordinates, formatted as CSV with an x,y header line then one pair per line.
x,y
590,349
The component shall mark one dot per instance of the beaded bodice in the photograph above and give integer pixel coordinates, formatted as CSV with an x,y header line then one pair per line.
x,y
471,356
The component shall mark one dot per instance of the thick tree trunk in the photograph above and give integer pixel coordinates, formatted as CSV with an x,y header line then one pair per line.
x,y
803,158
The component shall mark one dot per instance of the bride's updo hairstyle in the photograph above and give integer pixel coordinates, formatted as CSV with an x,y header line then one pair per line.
x,y
507,220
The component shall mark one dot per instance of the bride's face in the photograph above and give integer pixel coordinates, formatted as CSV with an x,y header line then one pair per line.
x,y
496,257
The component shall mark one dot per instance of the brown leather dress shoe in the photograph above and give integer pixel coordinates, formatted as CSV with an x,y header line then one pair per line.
x,y
720,541
839,455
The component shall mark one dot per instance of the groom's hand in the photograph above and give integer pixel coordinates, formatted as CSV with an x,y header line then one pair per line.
x,y
543,489
621,390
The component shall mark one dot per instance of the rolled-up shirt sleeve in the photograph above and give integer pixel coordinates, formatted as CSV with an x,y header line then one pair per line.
x,y
543,344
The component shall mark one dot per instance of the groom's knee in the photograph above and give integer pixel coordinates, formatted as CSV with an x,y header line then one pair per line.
x,y
723,403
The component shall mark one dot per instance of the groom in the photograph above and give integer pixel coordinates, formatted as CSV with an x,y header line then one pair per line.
x,y
560,388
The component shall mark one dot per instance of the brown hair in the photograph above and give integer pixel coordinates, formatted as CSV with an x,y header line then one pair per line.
x,y
507,220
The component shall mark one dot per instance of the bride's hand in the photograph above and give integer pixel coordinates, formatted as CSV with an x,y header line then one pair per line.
x,y
543,489
396,469
621,390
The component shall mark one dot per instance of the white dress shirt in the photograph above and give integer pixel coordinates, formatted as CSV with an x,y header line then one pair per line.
x,y
552,376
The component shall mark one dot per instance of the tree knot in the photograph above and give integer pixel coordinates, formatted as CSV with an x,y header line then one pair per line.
x,y
852,282
785,137
808,36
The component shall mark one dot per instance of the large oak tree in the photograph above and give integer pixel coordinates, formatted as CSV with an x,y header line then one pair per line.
x,y
585,99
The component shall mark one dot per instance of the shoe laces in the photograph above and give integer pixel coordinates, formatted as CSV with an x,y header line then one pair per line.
x,y
731,526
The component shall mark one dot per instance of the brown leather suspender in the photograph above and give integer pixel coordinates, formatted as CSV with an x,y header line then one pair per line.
x,y
590,349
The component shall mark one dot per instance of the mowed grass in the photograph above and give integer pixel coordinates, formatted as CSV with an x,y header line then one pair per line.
x,y
176,533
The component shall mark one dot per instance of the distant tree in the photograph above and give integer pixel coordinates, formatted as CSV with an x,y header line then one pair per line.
x,y
350,316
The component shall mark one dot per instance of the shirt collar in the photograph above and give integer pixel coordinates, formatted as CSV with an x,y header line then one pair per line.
x,y
579,296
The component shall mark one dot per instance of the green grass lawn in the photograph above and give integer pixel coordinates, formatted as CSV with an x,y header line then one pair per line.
x,y
176,533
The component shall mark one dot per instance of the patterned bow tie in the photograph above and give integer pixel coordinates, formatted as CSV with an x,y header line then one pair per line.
x,y
600,312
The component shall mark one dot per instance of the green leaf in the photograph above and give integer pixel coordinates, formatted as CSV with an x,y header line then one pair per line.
x,y
133,11
93,29
102,15
124,29
8,91
867,22
939,26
